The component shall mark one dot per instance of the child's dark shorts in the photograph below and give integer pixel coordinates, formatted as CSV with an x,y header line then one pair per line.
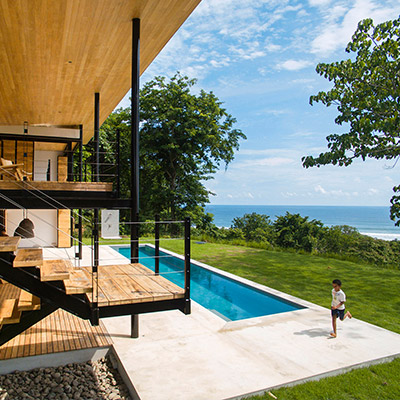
x,y
338,313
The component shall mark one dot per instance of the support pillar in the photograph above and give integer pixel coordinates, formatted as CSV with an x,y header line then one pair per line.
x,y
96,171
135,156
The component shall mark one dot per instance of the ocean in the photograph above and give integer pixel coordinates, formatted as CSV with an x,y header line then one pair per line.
x,y
372,221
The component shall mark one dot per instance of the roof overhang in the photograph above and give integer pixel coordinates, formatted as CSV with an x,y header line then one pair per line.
x,y
56,54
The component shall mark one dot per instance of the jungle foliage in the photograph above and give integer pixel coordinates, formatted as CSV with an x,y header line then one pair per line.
x,y
297,233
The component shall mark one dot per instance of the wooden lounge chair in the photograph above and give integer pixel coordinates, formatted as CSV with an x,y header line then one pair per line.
x,y
13,171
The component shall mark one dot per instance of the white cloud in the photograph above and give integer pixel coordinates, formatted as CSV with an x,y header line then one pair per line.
x,y
294,65
319,3
340,22
320,189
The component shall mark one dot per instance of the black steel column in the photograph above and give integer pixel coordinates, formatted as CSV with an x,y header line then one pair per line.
x,y
70,164
157,245
134,326
80,166
135,156
95,309
135,139
95,270
118,163
187,265
96,139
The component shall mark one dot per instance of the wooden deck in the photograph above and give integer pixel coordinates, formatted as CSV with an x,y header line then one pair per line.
x,y
50,185
132,283
59,332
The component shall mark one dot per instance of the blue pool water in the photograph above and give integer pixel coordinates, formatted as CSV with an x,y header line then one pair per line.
x,y
229,298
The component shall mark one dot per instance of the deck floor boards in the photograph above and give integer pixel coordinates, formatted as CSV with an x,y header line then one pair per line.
x,y
132,283
58,332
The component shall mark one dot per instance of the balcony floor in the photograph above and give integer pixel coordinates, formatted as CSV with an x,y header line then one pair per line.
x,y
130,284
57,186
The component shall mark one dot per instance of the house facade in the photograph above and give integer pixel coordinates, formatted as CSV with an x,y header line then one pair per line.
x,y
65,67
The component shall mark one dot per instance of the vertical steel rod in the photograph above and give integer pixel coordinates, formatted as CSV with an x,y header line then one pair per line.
x,y
80,172
135,140
95,269
118,162
157,244
187,265
70,164
135,156
96,139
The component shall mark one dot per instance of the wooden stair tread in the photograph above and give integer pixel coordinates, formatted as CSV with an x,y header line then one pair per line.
x,y
9,243
15,317
55,270
28,302
29,258
78,282
6,308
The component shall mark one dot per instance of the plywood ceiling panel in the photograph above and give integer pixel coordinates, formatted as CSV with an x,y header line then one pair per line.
x,y
56,54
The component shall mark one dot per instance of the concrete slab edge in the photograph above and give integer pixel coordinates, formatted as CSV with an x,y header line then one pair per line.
x,y
318,377
117,363
52,359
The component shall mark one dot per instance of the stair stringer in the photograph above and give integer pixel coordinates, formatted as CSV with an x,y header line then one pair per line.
x,y
27,278
28,319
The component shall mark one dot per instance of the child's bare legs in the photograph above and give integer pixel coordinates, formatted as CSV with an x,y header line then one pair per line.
x,y
334,318
348,315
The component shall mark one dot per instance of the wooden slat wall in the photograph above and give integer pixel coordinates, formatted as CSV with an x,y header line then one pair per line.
x,y
25,148
62,169
8,150
64,226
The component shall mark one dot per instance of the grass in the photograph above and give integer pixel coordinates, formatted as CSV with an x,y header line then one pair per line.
x,y
372,294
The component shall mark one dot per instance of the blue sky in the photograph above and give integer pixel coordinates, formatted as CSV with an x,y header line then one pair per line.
x,y
259,58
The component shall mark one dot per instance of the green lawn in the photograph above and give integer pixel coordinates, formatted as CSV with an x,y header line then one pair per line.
x,y
373,296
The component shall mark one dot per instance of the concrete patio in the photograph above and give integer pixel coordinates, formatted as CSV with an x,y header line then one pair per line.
x,y
201,356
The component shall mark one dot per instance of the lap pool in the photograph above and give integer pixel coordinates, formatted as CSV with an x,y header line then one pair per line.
x,y
228,298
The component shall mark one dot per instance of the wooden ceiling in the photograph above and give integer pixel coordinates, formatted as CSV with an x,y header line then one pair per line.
x,y
55,54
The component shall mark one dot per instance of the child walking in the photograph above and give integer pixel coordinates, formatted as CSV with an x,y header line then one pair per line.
x,y
337,308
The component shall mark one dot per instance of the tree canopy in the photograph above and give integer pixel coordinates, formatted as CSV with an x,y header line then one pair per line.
x,y
184,139
366,91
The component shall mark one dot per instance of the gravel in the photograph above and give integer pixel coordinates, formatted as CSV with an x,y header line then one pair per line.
x,y
97,380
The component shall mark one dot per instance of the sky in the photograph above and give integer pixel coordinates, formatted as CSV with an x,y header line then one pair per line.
x,y
259,58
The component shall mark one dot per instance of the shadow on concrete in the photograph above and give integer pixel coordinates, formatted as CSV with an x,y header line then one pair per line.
x,y
315,332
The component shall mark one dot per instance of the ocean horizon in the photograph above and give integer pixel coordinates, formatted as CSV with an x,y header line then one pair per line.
x,y
369,220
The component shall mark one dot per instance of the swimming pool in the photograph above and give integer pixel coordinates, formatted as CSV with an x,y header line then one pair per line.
x,y
230,299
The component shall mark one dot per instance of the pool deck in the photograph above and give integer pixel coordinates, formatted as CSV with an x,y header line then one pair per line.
x,y
201,356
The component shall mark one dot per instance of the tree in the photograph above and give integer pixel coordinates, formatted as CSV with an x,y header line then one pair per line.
x,y
297,232
184,138
366,91
255,227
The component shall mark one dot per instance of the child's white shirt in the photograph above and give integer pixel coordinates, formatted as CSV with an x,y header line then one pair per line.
x,y
337,298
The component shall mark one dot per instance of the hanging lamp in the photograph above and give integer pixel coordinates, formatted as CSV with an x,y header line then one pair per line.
x,y
25,228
